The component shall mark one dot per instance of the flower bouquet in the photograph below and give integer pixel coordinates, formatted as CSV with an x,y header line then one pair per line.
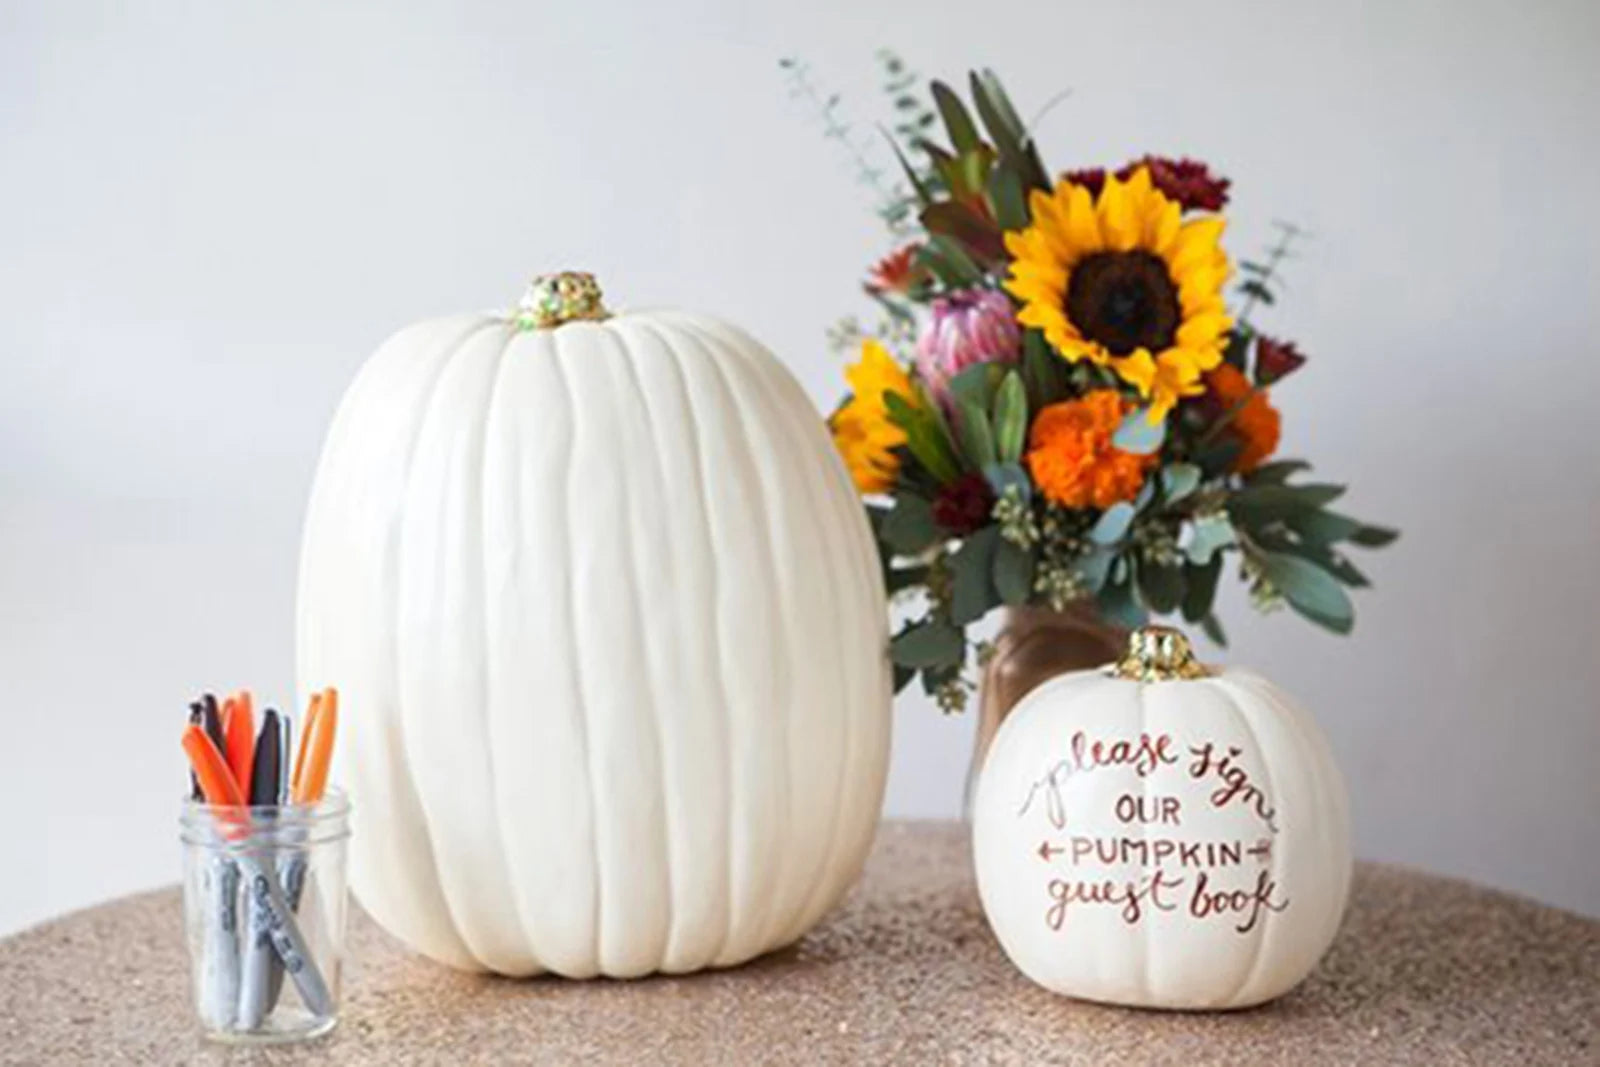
x,y
1060,407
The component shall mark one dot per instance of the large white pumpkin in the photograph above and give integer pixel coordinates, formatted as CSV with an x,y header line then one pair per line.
x,y
1161,835
607,623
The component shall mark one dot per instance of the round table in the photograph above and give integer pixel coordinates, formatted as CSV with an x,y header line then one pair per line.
x,y
1425,970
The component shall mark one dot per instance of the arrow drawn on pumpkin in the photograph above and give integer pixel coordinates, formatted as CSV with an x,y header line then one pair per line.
x,y
1047,850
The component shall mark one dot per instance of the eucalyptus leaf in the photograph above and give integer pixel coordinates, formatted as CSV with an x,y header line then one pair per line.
x,y
1276,472
1218,457
897,578
1327,527
1374,536
1013,572
1200,588
1309,589
1279,500
910,528
1010,418
902,676
1161,585
1323,555
1213,629
1178,480
1119,570
1211,533
972,586
1119,606
1002,476
1322,527
1138,435
1094,567
1112,524
1147,493
928,644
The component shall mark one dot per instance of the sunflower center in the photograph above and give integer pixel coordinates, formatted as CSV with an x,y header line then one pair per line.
x,y
1124,301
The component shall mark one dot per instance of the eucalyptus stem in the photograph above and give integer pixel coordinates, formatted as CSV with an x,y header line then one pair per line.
x,y
1287,232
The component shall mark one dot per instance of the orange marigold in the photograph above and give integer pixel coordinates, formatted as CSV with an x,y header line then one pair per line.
x,y
1072,459
1256,424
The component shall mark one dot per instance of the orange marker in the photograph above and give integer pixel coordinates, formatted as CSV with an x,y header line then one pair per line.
x,y
210,770
239,731
314,774
306,727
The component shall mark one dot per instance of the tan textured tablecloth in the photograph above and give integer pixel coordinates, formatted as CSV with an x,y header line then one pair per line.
x,y
1426,970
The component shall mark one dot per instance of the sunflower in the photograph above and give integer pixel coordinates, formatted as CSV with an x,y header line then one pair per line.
x,y
1123,280
862,430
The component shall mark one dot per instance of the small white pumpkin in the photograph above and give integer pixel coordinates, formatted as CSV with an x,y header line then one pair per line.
x,y
1162,835
608,627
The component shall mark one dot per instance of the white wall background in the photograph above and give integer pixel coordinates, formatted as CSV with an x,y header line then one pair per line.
x,y
210,213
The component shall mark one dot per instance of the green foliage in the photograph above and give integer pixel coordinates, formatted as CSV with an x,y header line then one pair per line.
x,y
1178,480
926,439
966,169
1262,280
1138,434
948,260
957,123
1013,573
929,643
1112,526
1010,418
1310,590
1043,372
1011,139
972,586
977,437
1200,587
910,527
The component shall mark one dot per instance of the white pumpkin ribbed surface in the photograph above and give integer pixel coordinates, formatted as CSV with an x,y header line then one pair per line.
x,y
609,631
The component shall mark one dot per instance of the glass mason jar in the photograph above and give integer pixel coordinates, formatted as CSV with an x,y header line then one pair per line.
x,y
264,912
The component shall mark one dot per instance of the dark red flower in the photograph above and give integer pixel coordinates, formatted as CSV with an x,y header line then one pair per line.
x,y
1276,360
1188,181
964,505
1091,178
896,272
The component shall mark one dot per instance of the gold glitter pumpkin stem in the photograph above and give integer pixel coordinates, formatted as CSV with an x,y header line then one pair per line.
x,y
556,299
1158,654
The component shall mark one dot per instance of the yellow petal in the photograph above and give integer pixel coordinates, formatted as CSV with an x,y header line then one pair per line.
x,y
1196,245
1202,330
1138,369
1162,224
1119,227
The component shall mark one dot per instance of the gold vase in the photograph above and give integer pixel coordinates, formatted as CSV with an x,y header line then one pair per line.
x,y
1035,645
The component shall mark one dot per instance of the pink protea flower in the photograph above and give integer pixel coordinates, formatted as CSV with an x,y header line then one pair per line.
x,y
970,326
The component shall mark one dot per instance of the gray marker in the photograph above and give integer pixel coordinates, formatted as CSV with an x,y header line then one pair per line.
x,y
287,940
256,967
220,952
